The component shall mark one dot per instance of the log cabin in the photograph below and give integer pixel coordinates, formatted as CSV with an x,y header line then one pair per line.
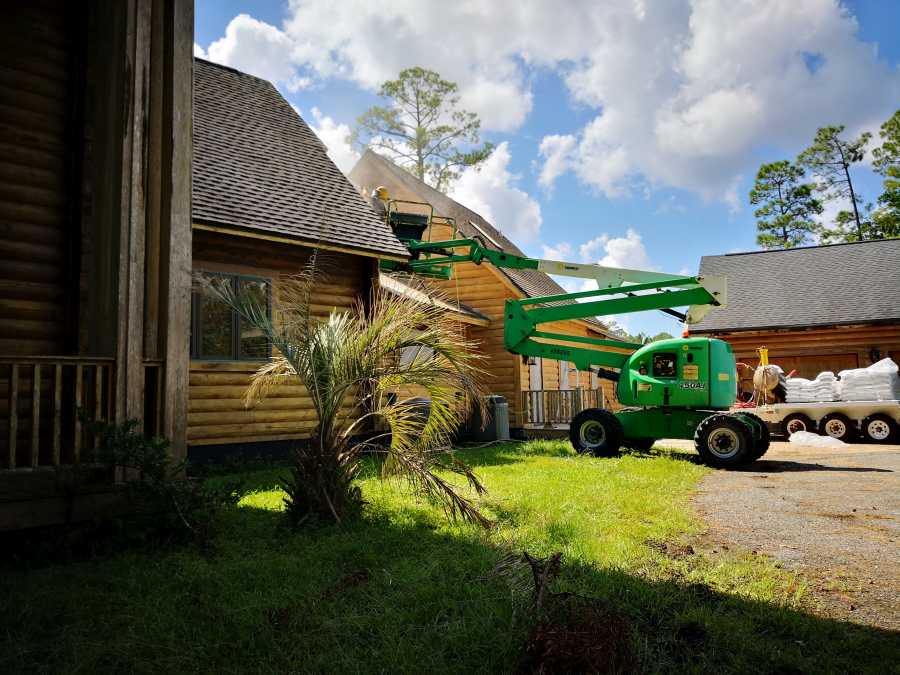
x,y
265,196
95,157
815,308
539,392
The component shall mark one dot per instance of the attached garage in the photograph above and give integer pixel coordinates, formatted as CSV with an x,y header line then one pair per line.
x,y
815,308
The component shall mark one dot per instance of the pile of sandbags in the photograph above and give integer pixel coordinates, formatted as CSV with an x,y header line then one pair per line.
x,y
825,387
878,382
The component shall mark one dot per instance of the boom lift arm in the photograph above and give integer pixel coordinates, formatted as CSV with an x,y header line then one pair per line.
x,y
619,291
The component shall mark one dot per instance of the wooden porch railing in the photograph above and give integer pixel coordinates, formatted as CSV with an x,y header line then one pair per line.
x,y
549,407
41,396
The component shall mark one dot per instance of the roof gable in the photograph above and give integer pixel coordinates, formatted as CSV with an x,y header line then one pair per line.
x,y
258,166
807,287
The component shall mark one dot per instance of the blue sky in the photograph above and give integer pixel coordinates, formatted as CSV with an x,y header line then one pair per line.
x,y
627,133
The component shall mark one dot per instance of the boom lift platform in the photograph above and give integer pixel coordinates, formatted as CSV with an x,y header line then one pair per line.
x,y
676,388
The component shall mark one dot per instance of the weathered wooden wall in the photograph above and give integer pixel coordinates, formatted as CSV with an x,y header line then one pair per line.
x,y
217,414
815,350
37,57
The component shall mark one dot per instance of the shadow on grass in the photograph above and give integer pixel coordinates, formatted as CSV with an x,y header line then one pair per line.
x,y
396,591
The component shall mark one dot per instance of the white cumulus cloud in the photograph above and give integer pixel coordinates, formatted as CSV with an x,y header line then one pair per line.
x,y
260,49
556,151
491,191
685,93
335,136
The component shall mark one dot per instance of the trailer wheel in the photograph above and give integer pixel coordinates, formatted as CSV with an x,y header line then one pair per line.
x,y
761,444
839,426
880,428
797,422
597,432
724,441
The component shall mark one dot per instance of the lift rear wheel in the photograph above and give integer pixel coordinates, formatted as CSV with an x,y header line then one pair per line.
x,y
597,432
761,444
724,441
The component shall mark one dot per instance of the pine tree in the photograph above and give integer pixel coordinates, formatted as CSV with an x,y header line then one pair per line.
x,y
423,129
787,206
829,158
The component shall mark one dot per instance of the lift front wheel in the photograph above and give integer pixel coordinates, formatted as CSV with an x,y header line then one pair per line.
x,y
597,432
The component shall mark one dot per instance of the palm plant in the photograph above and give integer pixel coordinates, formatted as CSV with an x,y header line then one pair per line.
x,y
356,365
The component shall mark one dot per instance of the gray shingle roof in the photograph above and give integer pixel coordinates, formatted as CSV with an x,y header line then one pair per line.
x,y
258,166
806,287
530,282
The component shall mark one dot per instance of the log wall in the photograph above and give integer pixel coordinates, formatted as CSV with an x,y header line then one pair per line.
x,y
217,414
814,350
37,60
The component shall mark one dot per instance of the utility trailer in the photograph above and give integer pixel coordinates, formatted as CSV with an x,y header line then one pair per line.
x,y
874,421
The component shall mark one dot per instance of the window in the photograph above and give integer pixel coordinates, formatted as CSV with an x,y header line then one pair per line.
x,y
218,333
664,364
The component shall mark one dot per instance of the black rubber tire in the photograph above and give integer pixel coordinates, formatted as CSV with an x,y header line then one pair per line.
x,y
589,422
796,419
849,427
886,421
760,447
731,428
640,444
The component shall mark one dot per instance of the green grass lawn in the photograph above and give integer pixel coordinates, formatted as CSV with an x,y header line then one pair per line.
x,y
403,590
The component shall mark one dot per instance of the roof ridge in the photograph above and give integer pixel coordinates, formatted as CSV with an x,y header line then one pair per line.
x,y
232,69
804,248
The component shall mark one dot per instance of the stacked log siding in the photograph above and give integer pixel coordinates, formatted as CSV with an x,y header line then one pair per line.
x,y
217,412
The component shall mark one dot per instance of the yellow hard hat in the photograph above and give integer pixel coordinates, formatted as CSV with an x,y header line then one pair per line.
x,y
380,193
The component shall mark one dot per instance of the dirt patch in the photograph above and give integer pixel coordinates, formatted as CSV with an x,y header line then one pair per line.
x,y
355,578
671,549
578,635
833,515
571,633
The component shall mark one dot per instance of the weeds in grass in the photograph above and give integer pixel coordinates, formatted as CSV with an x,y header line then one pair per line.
x,y
403,589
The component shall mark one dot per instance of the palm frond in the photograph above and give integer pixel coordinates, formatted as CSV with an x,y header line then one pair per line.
x,y
360,360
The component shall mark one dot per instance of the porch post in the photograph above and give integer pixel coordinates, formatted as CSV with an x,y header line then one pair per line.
x,y
176,258
130,332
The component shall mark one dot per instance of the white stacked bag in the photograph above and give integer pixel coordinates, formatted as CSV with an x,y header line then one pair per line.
x,y
878,382
825,387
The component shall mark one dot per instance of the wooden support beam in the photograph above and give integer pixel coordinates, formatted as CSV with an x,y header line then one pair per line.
x,y
175,236
36,416
57,412
79,386
98,400
13,413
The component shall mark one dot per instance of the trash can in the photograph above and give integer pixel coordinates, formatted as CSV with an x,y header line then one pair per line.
x,y
496,427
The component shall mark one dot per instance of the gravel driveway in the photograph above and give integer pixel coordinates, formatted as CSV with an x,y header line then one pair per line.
x,y
831,514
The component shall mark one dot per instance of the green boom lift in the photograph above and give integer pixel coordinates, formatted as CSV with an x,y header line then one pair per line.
x,y
676,388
